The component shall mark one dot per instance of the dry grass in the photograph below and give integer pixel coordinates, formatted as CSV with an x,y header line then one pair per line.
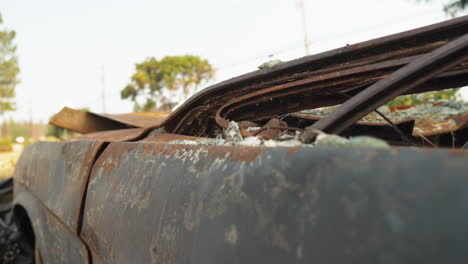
x,y
8,161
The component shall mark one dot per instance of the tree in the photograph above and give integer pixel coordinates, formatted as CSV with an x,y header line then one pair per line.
x,y
159,84
453,7
9,69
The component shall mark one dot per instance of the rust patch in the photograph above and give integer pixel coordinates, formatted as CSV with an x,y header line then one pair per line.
x,y
113,135
236,153
291,151
109,166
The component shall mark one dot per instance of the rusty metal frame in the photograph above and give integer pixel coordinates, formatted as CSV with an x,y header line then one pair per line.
x,y
406,78
310,82
350,69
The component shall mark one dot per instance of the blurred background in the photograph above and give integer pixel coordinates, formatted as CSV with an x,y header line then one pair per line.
x,y
118,56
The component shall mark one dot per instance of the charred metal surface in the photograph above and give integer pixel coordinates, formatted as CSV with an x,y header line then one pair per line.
x,y
56,172
432,127
84,122
88,122
57,243
159,203
136,120
406,78
114,135
372,60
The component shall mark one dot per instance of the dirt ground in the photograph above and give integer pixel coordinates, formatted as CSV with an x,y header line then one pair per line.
x,y
8,161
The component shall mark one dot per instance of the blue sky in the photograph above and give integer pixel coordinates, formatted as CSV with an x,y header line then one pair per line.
x,y
63,45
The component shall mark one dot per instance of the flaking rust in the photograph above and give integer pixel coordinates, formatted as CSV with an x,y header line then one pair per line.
x,y
315,205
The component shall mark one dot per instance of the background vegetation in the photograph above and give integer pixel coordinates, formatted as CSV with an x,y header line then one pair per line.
x,y
9,69
161,84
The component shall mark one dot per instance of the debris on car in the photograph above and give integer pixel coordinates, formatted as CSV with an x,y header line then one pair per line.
x,y
267,104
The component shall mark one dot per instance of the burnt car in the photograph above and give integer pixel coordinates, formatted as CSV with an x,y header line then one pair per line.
x,y
247,171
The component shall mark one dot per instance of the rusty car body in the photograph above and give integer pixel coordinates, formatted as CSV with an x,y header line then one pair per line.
x,y
142,189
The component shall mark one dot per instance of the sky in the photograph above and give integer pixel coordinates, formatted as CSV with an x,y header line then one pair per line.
x,y
67,48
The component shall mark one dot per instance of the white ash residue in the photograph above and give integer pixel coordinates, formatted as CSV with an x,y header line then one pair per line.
x,y
248,142
326,140
367,142
323,140
285,139
256,141
233,132
205,142
251,141
286,143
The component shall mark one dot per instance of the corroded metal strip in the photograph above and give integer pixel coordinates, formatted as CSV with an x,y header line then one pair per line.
x,y
406,78
56,172
83,122
160,203
138,119
57,243
114,135
88,122
433,127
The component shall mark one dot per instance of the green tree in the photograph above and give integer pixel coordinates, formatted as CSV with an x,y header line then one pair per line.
x,y
9,69
158,84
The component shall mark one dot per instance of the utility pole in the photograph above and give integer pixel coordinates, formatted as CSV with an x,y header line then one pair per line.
x,y
304,22
103,89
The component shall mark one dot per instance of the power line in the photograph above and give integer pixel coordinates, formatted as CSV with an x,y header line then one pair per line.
x,y
296,45
293,46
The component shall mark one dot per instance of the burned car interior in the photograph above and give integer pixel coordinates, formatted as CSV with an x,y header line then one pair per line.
x,y
280,99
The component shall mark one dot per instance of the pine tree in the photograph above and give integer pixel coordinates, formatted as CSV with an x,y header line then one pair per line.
x,y
9,69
